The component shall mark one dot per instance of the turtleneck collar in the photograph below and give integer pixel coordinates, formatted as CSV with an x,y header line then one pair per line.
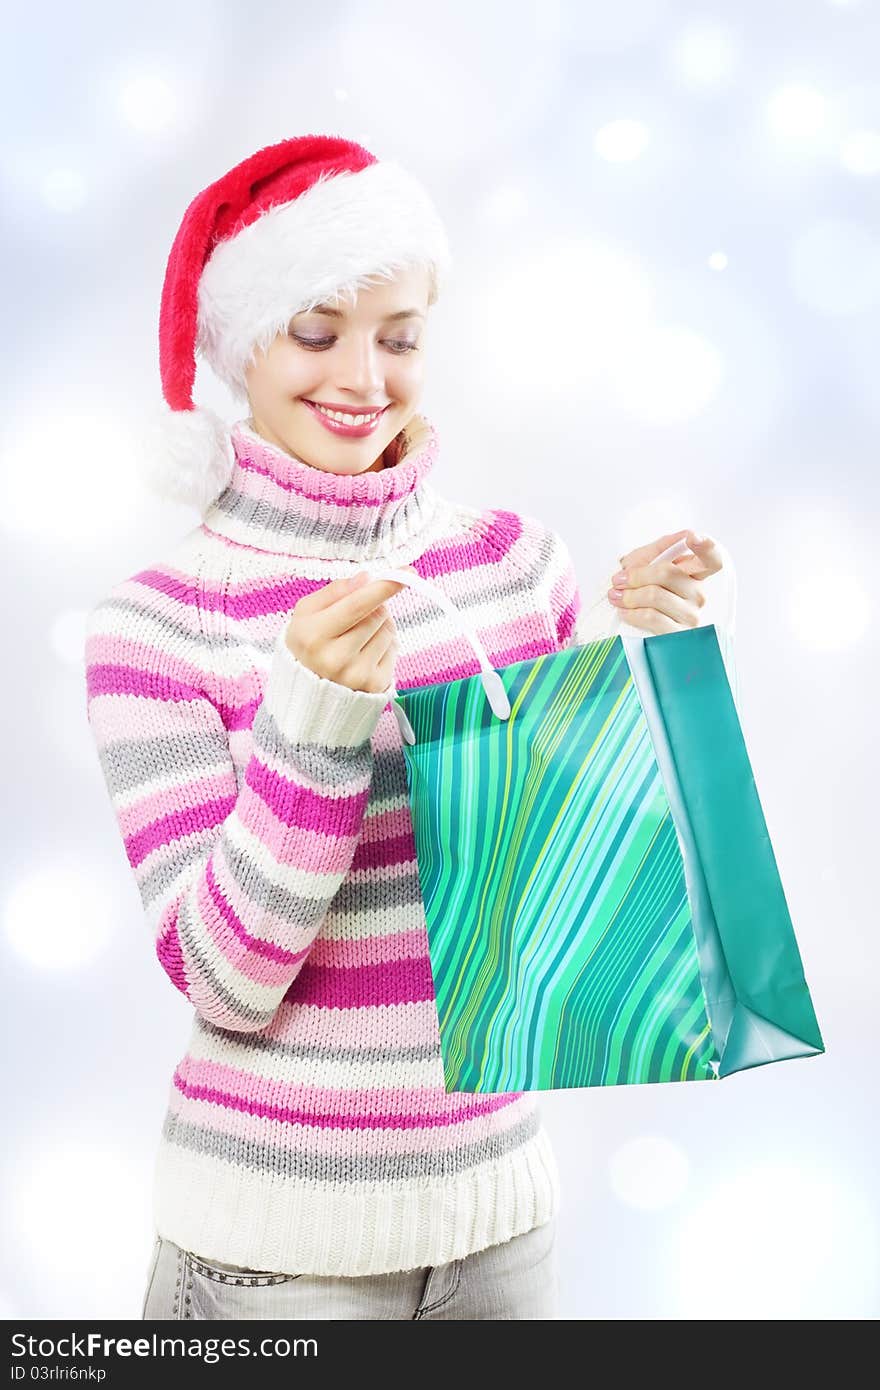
x,y
276,502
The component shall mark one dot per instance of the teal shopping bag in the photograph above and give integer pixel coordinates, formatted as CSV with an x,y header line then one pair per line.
x,y
602,901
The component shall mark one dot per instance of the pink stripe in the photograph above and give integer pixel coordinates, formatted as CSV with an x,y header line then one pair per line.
x,y
173,583
170,955
309,841
260,961
370,950
489,546
352,1142
392,852
117,666
297,806
238,717
268,599
108,656
334,493
205,790
139,671
530,627
124,680
190,820
395,821
423,1101
397,982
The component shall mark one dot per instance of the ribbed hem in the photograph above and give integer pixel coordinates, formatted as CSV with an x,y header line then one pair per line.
x,y
311,709
243,1217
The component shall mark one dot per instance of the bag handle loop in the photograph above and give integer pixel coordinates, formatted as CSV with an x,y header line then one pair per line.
x,y
492,683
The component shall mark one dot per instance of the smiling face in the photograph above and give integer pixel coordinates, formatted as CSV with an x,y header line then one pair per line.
x,y
364,358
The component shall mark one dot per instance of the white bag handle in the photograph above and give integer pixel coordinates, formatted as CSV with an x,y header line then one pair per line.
x,y
492,683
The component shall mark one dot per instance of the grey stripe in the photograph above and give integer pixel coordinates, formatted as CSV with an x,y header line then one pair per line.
x,y
391,523
129,763
132,762
371,896
389,777
158,617
330,1168
378,894
262,892
330,766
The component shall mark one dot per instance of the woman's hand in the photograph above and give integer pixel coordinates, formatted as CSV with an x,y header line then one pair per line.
x,y
344,632
665,597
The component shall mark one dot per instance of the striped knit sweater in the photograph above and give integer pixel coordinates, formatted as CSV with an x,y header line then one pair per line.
x,y
264,813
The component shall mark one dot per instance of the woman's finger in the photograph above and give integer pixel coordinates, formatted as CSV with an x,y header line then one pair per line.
x,y
644,554
654,578
681,608
704,548
652,621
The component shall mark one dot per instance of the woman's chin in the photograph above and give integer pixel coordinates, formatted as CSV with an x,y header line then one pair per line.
x,y
368,458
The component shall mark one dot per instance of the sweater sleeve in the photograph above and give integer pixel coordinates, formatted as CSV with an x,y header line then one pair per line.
x,y
234,882
578,620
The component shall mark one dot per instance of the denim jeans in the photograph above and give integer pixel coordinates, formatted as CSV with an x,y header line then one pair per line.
x,y
517,1279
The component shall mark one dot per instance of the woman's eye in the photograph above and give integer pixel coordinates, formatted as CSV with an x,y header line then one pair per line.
x,y
312,342
398,346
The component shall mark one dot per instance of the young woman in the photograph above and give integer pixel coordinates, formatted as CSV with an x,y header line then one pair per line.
x,y
311,1163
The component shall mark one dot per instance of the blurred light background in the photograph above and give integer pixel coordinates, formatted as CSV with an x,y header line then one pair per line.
x,y
664,313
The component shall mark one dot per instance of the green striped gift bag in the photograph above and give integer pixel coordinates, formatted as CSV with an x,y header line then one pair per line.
x,y
602,900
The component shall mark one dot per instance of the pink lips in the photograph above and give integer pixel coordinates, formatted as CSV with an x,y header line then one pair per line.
x,y
347,431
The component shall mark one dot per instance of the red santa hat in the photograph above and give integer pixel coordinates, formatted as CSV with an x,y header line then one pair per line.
x,y
296,223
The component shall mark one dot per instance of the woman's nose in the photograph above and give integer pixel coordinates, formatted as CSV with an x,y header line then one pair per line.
x,y
361,369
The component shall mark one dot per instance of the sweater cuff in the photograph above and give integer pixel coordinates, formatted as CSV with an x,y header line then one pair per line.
x,y
308,708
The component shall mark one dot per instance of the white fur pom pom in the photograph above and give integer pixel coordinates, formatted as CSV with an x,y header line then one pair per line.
x,y
186,456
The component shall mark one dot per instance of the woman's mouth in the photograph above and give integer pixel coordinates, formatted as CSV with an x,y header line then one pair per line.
x,y
349,424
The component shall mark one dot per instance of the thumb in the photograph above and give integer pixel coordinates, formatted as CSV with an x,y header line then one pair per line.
x,y
709,557
644,554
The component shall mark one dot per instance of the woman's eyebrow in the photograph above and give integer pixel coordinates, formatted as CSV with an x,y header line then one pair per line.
x,y
399,314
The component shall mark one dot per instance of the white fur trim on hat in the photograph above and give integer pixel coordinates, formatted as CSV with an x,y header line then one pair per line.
x,y
336,236
186,455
